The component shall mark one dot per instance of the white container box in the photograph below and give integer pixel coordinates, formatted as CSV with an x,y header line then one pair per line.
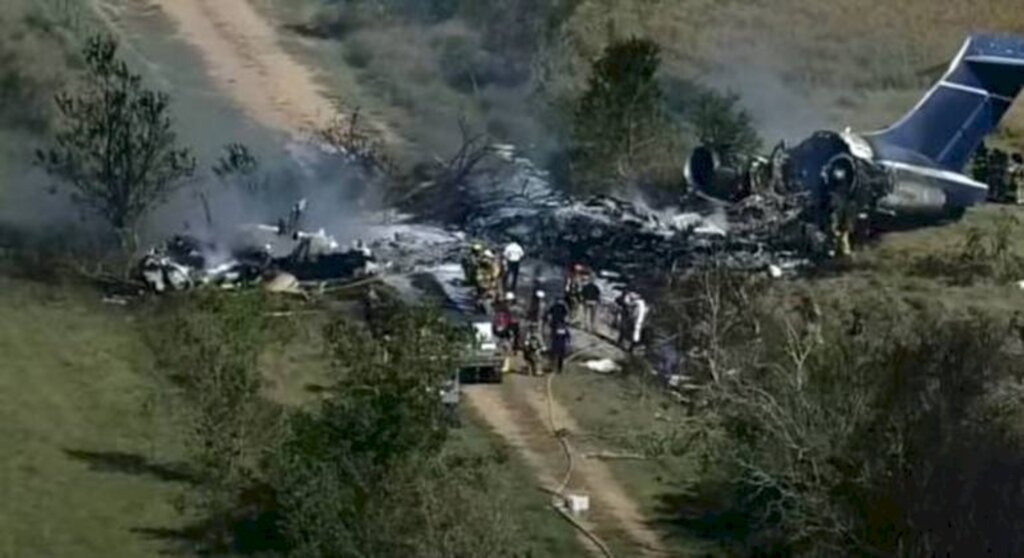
x,y
577,503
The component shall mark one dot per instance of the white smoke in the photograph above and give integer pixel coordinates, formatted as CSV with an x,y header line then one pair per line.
x,y
757,72
338,195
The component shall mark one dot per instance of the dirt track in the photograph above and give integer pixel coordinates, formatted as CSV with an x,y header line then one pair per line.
x,y
518,411
243,56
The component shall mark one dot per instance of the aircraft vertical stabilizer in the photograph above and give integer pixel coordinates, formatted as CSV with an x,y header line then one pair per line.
x,y
967,103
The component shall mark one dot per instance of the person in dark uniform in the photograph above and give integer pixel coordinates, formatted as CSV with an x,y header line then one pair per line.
x,y
591,295
560,342
623,317
557,315
572,289
537,307
532,349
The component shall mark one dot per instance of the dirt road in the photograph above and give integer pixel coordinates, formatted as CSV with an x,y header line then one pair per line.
x,y
243,56
519,411
245,59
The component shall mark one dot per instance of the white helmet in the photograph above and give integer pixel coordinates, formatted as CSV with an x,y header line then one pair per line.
x,y
510,296
489,253
540,294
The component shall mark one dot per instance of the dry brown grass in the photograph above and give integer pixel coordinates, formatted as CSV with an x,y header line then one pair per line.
x,y
848,62
861,60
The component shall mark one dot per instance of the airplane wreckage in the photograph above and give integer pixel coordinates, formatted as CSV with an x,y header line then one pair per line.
x,y
752,212
908,173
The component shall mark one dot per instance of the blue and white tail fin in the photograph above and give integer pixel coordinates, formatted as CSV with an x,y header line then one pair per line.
x,y
948,124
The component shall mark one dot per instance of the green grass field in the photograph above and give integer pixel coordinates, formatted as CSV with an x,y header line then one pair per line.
x,y
627,414
85,467
547,533
91,466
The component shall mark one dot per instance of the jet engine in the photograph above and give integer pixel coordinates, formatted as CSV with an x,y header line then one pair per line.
x,y
706,172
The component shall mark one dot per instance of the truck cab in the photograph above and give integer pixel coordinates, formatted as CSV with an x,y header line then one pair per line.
x,y
483,363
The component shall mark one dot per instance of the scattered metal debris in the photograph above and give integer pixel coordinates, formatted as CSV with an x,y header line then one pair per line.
x,y
513,200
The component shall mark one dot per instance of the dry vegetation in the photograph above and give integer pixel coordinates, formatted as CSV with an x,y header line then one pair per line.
x,y
877,53
856,62
36,42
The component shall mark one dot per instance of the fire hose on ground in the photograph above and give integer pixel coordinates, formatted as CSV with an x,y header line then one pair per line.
x,y
570,466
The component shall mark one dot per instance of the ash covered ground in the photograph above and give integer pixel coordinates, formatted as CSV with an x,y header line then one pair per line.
x,y
323,239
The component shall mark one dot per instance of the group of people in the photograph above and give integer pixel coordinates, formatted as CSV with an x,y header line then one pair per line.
x,y
492,275
524,331
541,326
1003,173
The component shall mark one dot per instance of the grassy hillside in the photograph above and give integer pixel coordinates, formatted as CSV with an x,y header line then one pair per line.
x,y
800,65
86,469
863,62
38,42
36,46
92,463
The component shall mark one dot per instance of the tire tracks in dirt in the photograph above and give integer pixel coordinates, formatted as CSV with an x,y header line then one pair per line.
x,y
518,411
245,59
243,56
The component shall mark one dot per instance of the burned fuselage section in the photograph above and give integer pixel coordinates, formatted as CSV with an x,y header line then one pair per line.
x,y
907,173
837,181
826,176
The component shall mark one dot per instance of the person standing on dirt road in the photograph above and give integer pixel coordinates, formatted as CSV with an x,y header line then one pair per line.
x,y
623,318
533,346
573,285
515,313
638,314
560,342
513,255
537,308
591,295
557,316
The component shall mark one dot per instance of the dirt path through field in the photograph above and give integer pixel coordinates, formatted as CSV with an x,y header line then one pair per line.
x,y
244,58
519,411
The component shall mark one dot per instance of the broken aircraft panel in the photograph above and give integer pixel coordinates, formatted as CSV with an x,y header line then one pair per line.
x,y
910,170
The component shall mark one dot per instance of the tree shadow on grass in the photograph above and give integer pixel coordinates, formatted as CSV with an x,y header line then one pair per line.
x,y
251,529
133,464
317,389
716,519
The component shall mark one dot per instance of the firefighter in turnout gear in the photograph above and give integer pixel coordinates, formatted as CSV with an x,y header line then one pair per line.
x,y
497,272
842,197
488,277
1015,180
470,263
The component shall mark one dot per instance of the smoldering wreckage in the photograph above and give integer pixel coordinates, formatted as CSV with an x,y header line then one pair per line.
x,y
773,214
619,237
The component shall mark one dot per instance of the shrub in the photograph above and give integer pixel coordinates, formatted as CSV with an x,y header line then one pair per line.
x,y
621,135
984,253
878,431
722,124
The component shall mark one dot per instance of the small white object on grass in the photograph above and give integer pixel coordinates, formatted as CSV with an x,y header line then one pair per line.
x,y
577,503
604,365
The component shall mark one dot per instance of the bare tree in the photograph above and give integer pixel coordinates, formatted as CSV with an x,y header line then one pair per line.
x,y
444,182
348,135
473,150
115,148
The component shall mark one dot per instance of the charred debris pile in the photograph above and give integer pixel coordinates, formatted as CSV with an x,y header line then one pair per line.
x,y
500,197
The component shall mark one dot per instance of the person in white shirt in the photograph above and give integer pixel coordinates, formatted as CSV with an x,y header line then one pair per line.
x,y
513,256
639,311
